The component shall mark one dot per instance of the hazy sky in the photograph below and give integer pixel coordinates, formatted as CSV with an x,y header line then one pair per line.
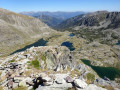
x,y
60,5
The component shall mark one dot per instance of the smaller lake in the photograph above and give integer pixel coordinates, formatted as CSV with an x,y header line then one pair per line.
x,y
40,42
71,34
118,43
68,45
109,72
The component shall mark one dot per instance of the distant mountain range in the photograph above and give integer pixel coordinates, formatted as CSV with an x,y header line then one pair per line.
x,y
99,19
49,20
61,15
52,18
102,26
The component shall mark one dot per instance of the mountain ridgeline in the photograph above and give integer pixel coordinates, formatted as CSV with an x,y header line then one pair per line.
x,y
18,30
61,15
49,20
100,19
52,18
102,26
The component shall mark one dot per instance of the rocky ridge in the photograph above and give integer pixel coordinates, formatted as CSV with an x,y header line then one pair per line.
x,y
99,19
46,68
101,26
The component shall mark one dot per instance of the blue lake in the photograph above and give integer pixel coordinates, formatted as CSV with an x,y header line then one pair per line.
x,y
109,72
40,42
68,45
71,35
118,43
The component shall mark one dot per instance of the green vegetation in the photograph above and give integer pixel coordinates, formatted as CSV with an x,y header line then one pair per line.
x,y
35,63
32,89
88,34
43,57
20,88
75,72
90,77
28,62
12,60
109,72
0,73
27,73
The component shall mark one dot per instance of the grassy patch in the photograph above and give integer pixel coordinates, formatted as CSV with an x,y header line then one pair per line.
x,y
27,73
43,58
12,60
20,88
32,89
35,63
0,73
90,77
75,72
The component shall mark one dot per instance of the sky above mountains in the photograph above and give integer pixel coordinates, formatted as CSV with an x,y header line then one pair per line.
x,y
60,5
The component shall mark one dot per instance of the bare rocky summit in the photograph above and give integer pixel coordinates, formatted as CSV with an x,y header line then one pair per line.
x,y
46,68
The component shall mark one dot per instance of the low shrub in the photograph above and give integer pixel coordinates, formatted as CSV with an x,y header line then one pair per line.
x,y
12,60
90,77
35,63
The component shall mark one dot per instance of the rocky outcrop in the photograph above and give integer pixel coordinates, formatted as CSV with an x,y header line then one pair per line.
x,y
97,19
100,54
46,68
80,83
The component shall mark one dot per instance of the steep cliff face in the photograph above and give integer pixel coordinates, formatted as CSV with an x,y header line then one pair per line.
x,y
17,30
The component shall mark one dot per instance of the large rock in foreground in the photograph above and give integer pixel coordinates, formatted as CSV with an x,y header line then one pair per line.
x,y
80,84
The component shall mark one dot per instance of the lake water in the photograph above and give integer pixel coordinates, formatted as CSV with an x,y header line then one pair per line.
x,y
118,43
71,35
68,45
40,42
109,72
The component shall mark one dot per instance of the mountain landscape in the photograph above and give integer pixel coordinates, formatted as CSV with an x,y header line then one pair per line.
x,y
18,30
49,20
59,50
102,26
58,14
52,18
100,19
